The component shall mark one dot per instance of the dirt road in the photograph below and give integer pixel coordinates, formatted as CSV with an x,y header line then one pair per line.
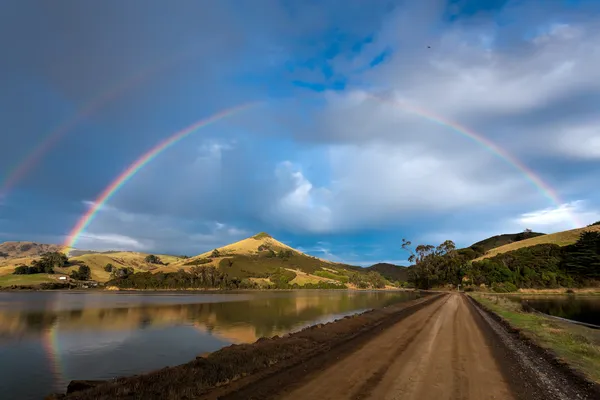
x,y
446,350
436,353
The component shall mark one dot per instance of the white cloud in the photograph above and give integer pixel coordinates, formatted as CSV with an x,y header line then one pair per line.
x,y
110,241
580,141
563,217
375,184
300,205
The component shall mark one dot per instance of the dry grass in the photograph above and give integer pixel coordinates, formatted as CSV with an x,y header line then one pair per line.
x,y
97,262
560,238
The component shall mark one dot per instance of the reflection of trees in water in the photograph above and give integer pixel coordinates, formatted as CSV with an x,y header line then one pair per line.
x,y
38,321
263,314
571,307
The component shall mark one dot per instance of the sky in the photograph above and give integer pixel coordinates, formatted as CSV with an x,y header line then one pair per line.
x,y
350,142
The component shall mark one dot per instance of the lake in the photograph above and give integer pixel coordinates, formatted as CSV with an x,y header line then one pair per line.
x,y
48,339
577,308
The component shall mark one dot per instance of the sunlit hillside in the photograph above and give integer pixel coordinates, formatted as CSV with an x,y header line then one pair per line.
x,y
563,238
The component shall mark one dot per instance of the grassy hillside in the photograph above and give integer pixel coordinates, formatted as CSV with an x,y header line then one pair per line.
x,y
96,262
563,238
25,249
391,272
259,260
502,240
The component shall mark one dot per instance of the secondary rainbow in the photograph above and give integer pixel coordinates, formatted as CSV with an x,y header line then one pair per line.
x,y
21,169
486,143
111,189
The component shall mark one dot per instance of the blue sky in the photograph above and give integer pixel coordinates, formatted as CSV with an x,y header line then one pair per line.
x,y
318,163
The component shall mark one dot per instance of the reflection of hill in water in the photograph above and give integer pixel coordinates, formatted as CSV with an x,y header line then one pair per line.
x,y
243,321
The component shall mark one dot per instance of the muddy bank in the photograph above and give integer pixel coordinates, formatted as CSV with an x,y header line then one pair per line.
x,y
243,364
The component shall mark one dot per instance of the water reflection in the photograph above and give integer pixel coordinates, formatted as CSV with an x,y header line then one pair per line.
x,y
53,338
577,308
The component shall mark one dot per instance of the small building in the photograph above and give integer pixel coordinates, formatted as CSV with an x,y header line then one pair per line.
x,y
62,278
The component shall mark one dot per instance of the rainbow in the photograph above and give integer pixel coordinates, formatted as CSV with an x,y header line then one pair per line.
x,y
18,172
543,187
130,171
50,344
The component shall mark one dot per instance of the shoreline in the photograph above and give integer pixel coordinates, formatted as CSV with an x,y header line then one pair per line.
x,y
249,362
270,363
570,346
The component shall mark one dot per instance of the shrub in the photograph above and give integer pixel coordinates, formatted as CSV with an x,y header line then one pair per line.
x,y
262,235
83,274
152,259
21,270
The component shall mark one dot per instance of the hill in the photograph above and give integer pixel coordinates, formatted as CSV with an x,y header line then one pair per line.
x,y
563,238
493,242
24,253
391,272
260,260
26,249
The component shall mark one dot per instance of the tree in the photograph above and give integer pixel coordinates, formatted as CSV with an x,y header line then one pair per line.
x,y
152,259
215,253
433,265
109,267
55,259
82,274
21,270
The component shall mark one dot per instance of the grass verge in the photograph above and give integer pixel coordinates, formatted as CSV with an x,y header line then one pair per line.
x,y
576,345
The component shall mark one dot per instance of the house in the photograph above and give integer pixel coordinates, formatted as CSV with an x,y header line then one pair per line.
x,y
62,278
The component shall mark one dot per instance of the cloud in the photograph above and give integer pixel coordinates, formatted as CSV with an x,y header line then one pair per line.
x,y
580,141
559,218
374,185
110,241
157,233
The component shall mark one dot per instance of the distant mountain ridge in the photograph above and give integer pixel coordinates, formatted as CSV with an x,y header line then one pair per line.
x,y
26,249
391,272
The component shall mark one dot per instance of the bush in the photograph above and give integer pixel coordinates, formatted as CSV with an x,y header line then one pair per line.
x,y
109,267
83,274
506,287
21,270
152,259
215,253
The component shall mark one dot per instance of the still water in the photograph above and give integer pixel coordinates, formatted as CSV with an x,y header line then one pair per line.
x,y
50,338
577,308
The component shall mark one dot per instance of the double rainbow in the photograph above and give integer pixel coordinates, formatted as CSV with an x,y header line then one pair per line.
x,y
111,189
490,146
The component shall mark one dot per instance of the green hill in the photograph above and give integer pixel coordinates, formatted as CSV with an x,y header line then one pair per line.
x,y
260,260
563,238
391,272
500,240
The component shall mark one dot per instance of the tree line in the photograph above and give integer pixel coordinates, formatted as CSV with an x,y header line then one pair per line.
x,y
540,266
